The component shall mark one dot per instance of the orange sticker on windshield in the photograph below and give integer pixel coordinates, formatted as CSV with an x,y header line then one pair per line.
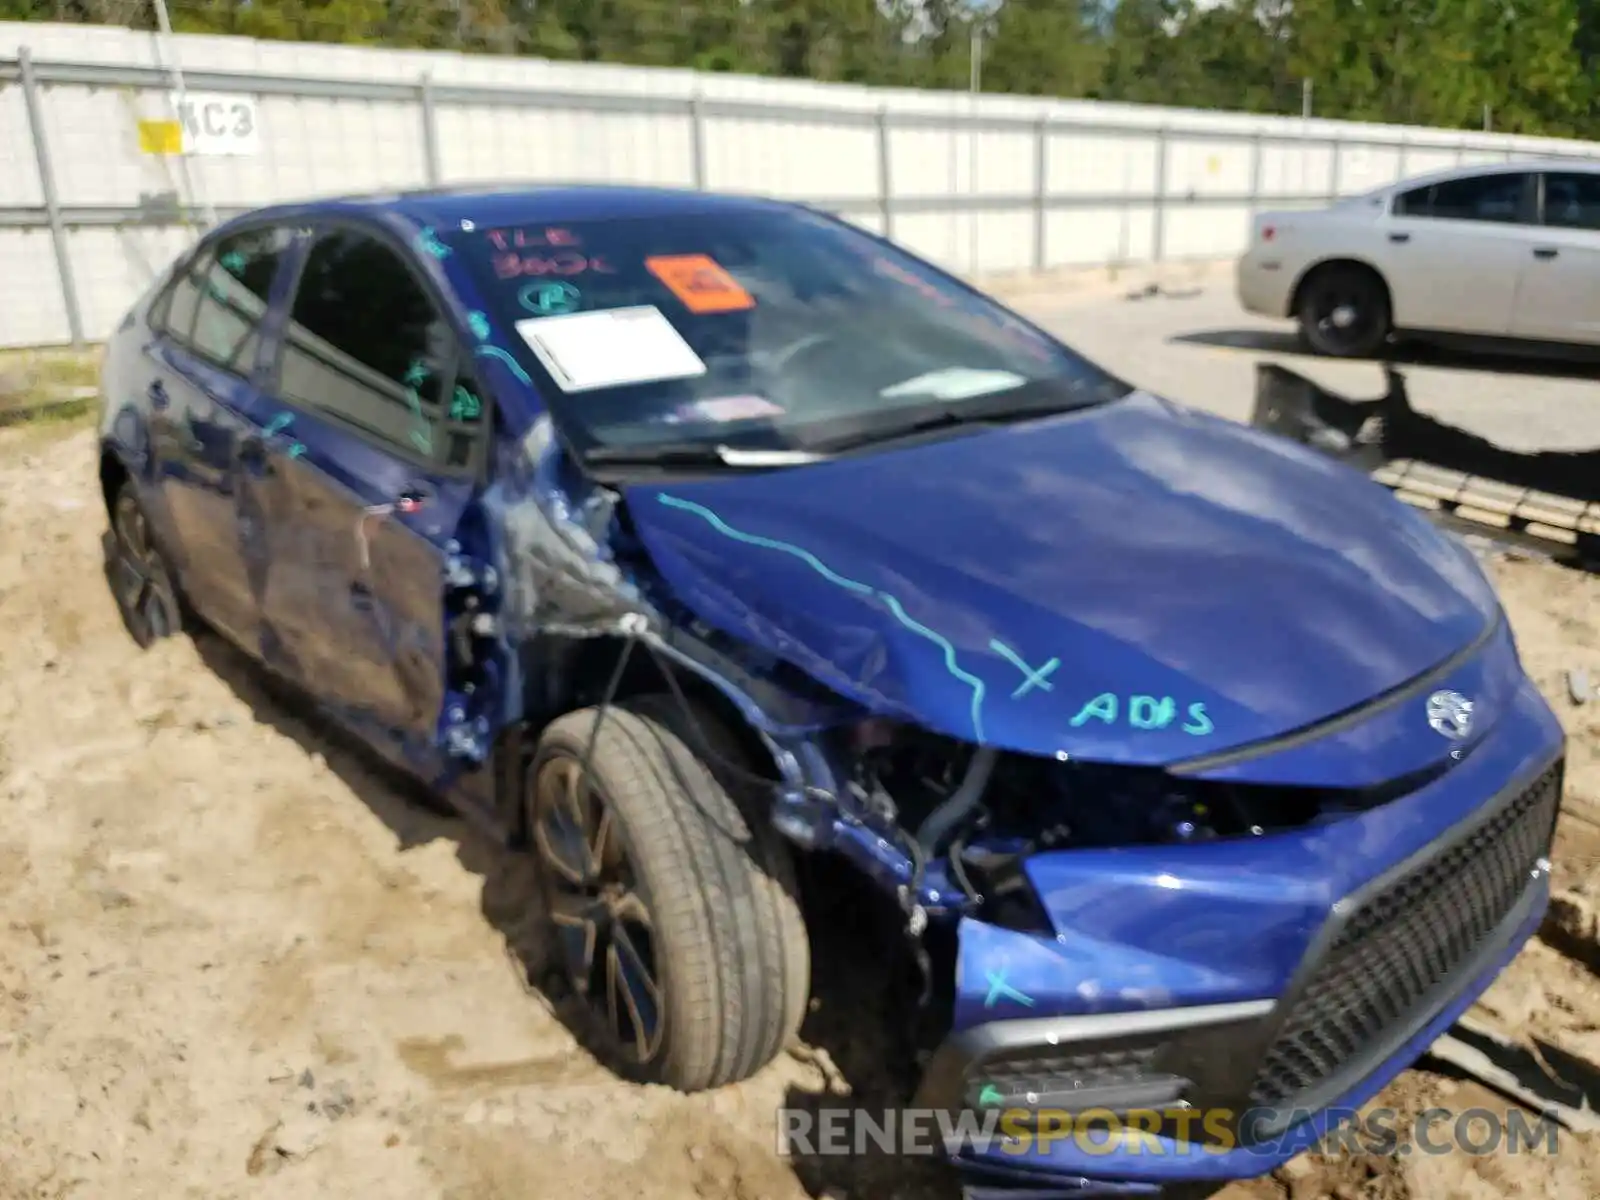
x,y
702,284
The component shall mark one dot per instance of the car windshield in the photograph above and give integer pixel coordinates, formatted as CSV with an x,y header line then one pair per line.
x,y
760,330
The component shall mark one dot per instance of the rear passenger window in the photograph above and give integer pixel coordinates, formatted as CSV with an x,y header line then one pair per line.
x,y
1497,197
1572,200
216,306
183,302
366,345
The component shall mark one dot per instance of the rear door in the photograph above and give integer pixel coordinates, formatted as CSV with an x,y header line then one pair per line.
x,y
1558,297
1455,250
202,387
386,428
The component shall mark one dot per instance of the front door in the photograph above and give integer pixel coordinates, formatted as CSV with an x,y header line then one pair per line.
x,y
1453,252
203,397
379,477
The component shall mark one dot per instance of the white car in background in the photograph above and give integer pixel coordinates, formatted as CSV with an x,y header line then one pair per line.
x,y
1508,252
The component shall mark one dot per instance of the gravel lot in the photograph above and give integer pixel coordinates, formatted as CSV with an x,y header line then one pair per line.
x,y
235,963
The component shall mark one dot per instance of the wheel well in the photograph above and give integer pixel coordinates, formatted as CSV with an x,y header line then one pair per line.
x,y
1332,264
571,674
578,673
112,476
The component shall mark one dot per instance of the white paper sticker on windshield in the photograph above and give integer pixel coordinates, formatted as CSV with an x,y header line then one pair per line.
x,y
955,383
611,347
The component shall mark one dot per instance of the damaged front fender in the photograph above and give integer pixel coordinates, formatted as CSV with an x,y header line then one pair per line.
x,y
573,576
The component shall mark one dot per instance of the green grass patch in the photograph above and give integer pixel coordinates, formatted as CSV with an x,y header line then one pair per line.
x,y
36,433
47,385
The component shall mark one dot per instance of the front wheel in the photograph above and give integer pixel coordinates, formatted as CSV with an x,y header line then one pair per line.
x,y
672,903
1344,312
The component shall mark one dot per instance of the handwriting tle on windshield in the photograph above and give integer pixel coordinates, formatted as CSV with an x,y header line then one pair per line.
x,y
546,238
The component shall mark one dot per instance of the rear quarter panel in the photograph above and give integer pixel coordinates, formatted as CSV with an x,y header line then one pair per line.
x,y
1304,240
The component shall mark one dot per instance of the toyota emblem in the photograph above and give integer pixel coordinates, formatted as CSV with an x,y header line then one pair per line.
x,y
1450,715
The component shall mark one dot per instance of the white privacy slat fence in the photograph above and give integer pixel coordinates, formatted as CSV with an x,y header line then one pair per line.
x,y
980,184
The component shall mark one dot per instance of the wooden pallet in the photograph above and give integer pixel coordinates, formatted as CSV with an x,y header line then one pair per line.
x,y
1559,521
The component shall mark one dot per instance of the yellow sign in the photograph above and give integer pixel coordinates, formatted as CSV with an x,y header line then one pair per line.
x,y
160,137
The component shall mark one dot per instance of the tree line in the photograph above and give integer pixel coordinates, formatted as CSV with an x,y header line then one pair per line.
x,y
1523,66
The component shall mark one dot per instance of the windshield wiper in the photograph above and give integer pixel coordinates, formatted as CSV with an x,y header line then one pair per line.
x,y
995,409
699,454
943,418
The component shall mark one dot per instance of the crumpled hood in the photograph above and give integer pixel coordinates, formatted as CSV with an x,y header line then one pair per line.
x,y
1135,583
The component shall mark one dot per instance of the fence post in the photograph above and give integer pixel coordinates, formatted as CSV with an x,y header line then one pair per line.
x,y
1257,153
1336,168
430,130
697,139
52,201
1400,169
885,179
1041,193
1158,231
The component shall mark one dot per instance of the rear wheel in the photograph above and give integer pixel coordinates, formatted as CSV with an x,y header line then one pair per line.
x,y
672,900
140,581
1344,312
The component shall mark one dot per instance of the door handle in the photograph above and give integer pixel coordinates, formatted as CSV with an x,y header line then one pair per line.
x,y
157,391
1399,237
1545,252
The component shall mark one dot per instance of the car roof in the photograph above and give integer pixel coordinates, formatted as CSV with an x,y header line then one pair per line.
x,y
1515,166
507,203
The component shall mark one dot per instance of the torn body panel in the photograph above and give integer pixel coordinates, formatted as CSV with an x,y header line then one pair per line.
x,y
571,575
561,575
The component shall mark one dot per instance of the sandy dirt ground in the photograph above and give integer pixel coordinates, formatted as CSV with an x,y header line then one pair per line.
x,y
236,963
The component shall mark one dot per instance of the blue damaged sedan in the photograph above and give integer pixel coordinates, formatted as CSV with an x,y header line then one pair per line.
x,y
682,540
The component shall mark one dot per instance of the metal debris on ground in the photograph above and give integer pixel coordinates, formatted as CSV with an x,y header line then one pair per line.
x,y
1523,1075
1578,685
1151,290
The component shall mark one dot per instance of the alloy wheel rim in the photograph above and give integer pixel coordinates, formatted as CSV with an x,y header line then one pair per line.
x,y
140,577
134,558
1344,319
601,918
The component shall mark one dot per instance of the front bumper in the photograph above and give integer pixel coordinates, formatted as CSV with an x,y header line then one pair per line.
x,y
1232,1089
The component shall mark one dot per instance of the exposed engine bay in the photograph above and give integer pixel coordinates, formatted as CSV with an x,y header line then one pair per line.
x,y
986,810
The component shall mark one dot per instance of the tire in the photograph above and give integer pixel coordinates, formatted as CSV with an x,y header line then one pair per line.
x,y
722,928
1344,312
140,579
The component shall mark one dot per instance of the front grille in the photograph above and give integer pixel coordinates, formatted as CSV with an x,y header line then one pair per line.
x,y
1391,953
